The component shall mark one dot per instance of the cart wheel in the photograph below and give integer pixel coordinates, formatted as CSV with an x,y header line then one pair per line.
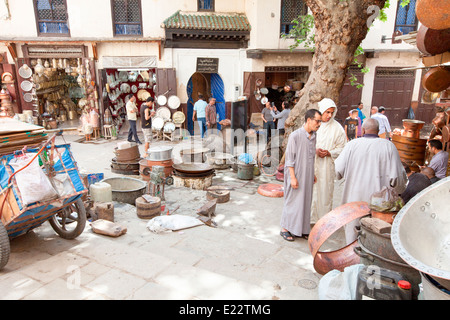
x,y
69,223
4,246
169,181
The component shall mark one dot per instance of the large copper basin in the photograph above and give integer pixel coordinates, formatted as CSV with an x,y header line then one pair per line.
x,y
325,261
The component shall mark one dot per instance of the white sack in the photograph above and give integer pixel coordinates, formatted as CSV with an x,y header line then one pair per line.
x,y
174,222
32,182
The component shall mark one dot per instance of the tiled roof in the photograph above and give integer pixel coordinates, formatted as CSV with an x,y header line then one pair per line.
x,y
208,21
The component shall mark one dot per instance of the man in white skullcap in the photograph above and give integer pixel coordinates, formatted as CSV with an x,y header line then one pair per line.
x,y
331,139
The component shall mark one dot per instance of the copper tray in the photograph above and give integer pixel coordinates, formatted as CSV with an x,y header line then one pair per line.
x,y
433,13
192,167
436,79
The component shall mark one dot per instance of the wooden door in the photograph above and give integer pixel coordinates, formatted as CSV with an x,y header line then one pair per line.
x,y
393,89
166,82
350,96
250,78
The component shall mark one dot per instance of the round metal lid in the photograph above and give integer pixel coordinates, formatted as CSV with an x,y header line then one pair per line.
x,y
420,232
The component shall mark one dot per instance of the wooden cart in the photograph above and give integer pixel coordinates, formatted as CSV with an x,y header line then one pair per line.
x,y
66,213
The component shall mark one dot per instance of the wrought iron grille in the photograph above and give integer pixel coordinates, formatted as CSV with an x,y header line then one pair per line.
x,y
392,72
205,5
291,10
51,16
406,20
127,17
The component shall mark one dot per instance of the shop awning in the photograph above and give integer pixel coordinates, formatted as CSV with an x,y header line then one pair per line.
x,y
129,62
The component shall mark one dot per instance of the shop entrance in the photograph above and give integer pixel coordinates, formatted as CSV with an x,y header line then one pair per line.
x,y
209,85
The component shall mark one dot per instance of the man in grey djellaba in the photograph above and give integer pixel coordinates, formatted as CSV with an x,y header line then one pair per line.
x,y
299,178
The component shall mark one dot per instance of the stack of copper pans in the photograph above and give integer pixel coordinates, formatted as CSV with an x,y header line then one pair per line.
x,y
126,160
411,148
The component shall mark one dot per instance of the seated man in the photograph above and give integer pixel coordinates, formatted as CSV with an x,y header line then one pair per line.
x,y
439,162
416,183
430,174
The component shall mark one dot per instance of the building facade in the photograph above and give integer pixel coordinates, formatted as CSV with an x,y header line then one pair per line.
x,y
102,51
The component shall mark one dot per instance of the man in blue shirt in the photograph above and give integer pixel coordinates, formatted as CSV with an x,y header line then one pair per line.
x,y
200,111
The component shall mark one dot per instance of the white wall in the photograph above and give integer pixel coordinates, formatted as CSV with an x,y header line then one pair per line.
x,y
232,64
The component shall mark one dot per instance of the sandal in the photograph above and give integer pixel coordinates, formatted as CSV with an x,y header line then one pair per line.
x,y
305,236
287,235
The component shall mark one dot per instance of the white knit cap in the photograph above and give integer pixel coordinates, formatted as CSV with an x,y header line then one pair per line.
x,y
325,104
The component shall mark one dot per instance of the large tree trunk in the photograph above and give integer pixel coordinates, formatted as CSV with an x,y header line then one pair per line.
x,y
340,26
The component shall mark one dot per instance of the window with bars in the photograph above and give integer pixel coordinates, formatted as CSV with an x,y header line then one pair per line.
x,y
127,17
290,10
406,20
51,17
205,5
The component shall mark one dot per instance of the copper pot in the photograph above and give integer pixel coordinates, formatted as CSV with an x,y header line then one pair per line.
x,y
325,227
436,79
434,13
412,128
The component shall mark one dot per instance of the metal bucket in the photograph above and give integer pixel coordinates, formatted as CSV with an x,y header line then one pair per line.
x,y
125,189
421,232
245,171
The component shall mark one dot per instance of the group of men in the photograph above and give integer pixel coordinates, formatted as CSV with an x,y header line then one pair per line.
x,y
352,124
206,113
320,152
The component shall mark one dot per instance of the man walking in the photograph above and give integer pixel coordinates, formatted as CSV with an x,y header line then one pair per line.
x,y
132,111
367,165
147,113
331,139
385,128
211,114
200,111
269,124
299,178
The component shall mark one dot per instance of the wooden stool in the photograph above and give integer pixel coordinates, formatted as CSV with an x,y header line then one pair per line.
x,y
96,133
107,131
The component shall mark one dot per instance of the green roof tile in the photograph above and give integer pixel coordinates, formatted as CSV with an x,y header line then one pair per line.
x,y
211,21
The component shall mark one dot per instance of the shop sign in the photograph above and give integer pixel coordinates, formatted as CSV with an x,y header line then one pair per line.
x,y
208,65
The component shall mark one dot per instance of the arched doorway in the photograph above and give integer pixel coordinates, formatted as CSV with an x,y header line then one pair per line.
x,y
209,85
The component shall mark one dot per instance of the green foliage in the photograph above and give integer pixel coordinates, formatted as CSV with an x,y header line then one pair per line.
x,y
302,33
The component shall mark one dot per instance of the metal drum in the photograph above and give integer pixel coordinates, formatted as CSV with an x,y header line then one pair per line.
x,y
421,232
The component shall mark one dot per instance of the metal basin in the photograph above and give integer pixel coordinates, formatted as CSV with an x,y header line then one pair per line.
x,y
125,189
421,232
159,153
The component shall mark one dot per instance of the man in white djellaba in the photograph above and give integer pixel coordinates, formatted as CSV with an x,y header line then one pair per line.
x,y
331,140
367,165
